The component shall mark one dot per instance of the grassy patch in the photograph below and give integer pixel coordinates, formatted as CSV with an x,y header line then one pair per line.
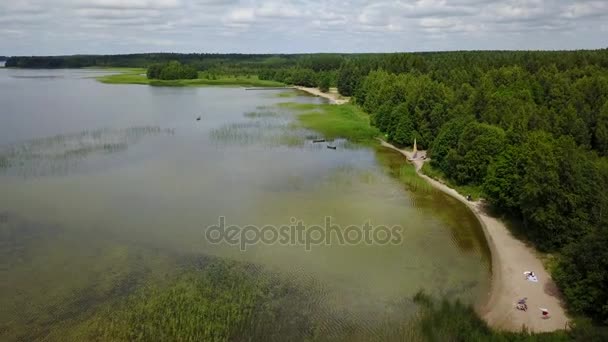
x,y
411,179
346,121
474,190
299,106
137,76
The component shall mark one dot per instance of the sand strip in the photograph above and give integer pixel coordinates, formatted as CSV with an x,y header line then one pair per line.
x,y
510,259
333,96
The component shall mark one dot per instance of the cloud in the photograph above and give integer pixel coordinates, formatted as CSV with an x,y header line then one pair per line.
x,y
122,26
129,4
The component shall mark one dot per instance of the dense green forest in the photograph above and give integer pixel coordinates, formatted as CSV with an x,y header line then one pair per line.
x,y
529,129
173,70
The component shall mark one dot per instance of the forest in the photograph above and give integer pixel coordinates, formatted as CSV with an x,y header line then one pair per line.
x,y
173,70
527,129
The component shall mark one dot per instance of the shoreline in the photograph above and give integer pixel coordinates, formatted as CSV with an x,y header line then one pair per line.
x,y
510,258
333,96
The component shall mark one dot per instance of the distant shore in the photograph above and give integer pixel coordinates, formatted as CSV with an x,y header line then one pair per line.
x,y
510,259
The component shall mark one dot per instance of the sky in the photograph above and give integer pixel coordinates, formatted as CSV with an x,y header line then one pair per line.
x,y
58,27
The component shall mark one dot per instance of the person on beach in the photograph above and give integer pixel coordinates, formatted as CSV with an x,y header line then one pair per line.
x,y
544,313
521,304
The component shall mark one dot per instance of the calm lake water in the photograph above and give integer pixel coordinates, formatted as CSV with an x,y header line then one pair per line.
x,y
93,174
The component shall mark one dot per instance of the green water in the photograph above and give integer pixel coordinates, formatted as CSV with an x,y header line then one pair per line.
x,y
106,190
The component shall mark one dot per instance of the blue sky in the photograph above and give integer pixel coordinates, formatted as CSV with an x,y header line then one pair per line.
x,y
47,27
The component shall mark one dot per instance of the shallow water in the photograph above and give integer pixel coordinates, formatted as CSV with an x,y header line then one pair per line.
x,y
90,173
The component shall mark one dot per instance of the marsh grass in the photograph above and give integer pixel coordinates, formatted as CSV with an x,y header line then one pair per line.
x,y
261,114
411,179
333,122
299,106
218,301
57,154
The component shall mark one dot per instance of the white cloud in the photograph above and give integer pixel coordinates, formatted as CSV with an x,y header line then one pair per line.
x,y
122,26
129,4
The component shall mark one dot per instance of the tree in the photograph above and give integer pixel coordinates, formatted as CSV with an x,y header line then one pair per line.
x,y
582,274
503,181
325,82
477,146
446,140
601,131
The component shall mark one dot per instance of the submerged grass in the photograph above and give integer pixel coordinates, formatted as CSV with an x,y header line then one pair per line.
x,y
223,301
409,177
137,76
286,94
261,114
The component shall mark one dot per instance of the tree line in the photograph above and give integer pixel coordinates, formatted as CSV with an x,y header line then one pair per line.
x,y
173,70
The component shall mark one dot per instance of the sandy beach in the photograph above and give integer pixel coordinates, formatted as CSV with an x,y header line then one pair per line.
x,y
510,259
333,96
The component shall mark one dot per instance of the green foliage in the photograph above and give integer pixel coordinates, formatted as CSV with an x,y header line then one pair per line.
x,y
446,140
478,144
582,276
173,70
325,83
474,190
503,182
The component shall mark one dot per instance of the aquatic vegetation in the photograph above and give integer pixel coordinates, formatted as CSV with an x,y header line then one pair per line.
x,y
345,121
286,94
214,301
299,106
409,177
52,155
261,114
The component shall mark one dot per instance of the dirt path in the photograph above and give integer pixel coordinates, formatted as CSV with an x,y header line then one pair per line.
x,y
510,259
333,96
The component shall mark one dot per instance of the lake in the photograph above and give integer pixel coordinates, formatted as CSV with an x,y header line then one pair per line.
x,y
108,188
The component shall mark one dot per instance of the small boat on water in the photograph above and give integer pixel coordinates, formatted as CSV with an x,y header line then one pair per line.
x,y
318,140
198,119
331,147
